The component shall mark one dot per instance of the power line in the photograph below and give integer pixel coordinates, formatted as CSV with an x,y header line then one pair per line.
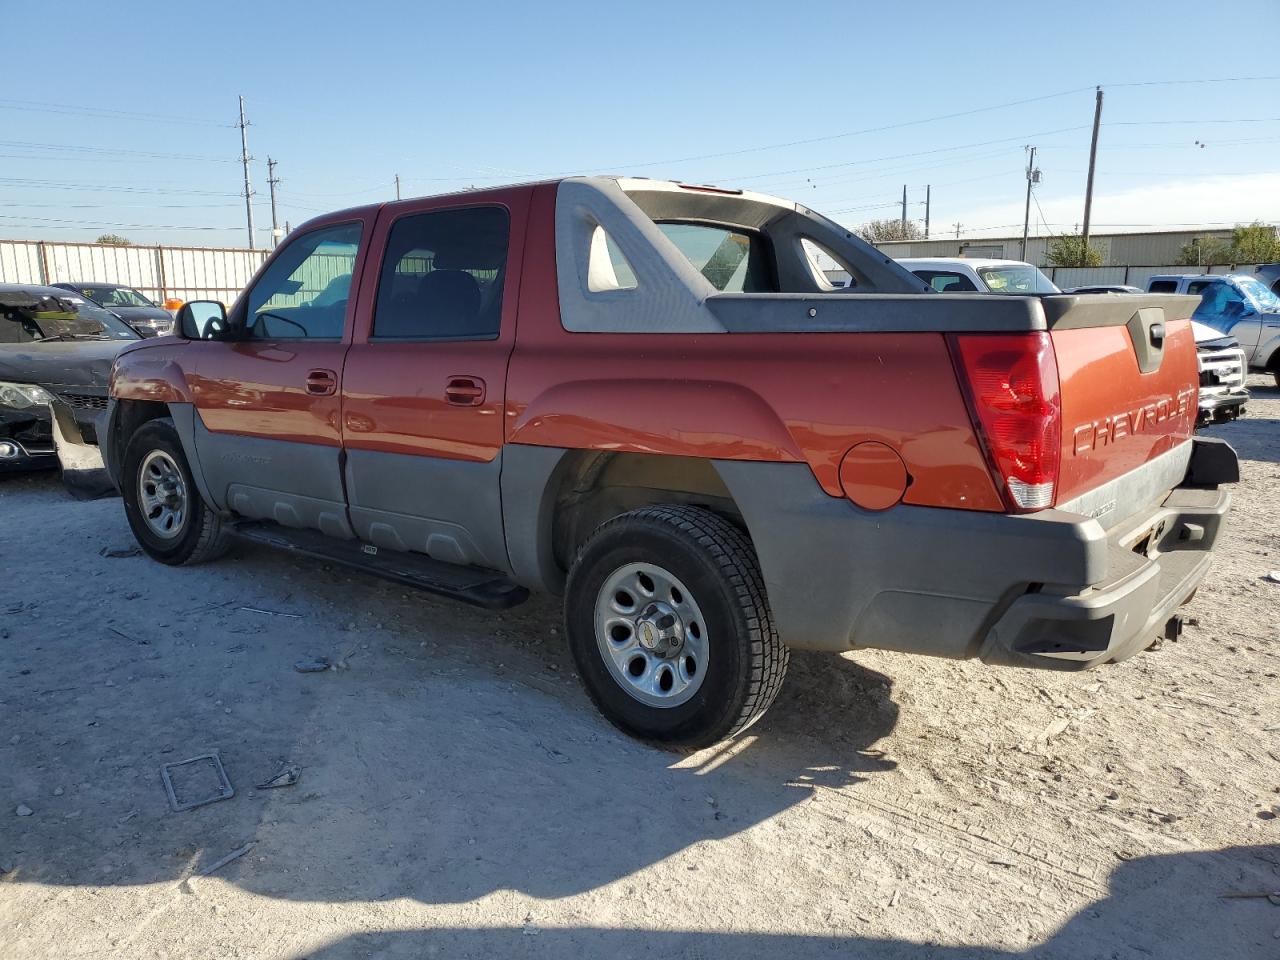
x,y
109,188
855,133
1170,83
101,223
916,153
37,106
97,151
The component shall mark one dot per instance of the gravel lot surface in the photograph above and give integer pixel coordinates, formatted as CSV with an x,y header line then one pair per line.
x,y
459,797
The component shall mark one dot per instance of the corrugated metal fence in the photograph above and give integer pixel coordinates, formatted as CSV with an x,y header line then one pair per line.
x,y
188,273
1136,276
215,273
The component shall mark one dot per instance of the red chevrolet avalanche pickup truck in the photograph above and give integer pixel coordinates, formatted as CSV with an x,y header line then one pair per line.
x,y
646,397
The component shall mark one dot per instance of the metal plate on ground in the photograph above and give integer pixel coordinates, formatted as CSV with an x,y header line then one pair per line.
x,y
195,782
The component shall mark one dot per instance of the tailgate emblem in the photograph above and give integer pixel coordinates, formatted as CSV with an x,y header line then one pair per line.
x,y
1128,423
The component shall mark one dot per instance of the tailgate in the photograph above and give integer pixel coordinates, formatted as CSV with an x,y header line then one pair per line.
x,y
1127,368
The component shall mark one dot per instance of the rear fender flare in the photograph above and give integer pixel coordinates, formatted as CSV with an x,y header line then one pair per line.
x,y
707,419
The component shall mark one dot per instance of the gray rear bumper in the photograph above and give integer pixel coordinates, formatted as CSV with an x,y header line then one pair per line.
x,y
1052,589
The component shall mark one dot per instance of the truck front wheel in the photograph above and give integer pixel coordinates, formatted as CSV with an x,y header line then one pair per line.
x,y
668,623
168,518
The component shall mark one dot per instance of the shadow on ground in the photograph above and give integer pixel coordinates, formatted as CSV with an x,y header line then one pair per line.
x,y
457,754
1148,897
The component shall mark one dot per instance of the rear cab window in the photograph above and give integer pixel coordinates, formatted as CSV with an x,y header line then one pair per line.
x,y
732,260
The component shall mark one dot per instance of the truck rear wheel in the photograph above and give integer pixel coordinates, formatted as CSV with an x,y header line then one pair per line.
x,y
668,623
166,513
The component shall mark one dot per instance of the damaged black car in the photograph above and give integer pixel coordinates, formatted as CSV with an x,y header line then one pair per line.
x,y
56,351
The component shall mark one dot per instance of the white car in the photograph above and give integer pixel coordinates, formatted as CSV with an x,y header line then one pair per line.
x,y
964,275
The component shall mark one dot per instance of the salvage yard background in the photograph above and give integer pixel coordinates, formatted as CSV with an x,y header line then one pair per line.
x,y
459,796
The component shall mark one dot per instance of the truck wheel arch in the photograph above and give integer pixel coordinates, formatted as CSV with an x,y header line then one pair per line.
x,y
127,416
555,498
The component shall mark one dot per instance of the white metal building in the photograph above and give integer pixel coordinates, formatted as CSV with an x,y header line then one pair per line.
x,y
1118,249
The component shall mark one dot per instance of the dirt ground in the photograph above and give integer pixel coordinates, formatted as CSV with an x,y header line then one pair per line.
x,y
459,797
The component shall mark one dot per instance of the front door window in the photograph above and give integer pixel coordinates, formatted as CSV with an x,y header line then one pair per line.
x,y
303,294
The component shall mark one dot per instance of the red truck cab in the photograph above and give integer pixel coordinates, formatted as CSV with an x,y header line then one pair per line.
x,y
645,396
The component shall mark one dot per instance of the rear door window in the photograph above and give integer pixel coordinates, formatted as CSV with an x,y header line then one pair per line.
x,y
1162,286
442,276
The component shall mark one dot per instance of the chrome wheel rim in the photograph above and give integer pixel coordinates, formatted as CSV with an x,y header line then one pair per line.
x,y
651,634
162,495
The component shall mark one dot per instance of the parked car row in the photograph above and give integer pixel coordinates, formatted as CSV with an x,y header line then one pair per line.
x,y
140,312
56,352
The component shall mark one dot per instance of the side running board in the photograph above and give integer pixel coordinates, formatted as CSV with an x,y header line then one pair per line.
x,y
481,588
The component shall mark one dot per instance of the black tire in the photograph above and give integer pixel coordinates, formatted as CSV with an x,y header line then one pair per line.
x,y
202,535
746,659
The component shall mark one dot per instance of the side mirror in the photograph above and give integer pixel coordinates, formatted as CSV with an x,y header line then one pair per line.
x,y
202,320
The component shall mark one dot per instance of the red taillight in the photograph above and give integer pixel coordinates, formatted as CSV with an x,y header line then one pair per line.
x,y
1012,386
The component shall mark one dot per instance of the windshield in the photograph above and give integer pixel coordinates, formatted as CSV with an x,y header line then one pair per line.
x,y
1018,278
1255,290
36,316
115,297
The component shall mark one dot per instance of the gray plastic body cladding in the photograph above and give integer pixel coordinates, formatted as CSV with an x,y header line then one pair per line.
x,y
529,483
1119,499
184,421
669,294
875,313
916,579
1073,630
106,441
447,509
294,484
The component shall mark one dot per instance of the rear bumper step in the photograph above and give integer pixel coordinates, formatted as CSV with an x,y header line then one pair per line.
x,y
480,588
1110,621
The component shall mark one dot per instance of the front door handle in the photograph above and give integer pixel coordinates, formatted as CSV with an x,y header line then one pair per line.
x,y
322,383
464,391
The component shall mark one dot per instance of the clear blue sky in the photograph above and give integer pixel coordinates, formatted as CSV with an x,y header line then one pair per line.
x,y
345,96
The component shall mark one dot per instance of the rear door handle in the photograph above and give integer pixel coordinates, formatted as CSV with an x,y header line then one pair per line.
x,y
322,383
464,391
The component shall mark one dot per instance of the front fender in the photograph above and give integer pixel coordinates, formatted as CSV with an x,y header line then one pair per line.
x,y
150,374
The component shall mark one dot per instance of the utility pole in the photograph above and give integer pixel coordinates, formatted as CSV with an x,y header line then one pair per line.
x,y
397,186
928,197
957,225
272,180
1033,176
904,211
244,158
1093,160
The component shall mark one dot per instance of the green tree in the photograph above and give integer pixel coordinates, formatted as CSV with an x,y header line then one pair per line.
x,y
1205,251
879,231
1255,243
1069,250
113,239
